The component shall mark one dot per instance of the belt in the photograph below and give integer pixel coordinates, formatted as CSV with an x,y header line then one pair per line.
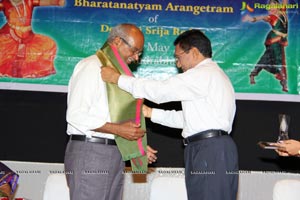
x,y
203,135
93,139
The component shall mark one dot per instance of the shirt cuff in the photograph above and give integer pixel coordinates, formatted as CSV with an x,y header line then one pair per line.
x,y
125,82
157,115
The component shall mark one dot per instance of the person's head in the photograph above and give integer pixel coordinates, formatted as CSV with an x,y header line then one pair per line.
x,y
129,40
191,47
273,7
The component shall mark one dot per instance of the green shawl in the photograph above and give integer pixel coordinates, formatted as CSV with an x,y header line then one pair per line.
x,y
124,107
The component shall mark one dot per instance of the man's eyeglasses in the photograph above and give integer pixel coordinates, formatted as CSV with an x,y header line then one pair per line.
x,y
133,49
177,56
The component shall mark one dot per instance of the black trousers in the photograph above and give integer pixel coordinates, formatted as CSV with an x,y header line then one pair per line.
x,y
211,169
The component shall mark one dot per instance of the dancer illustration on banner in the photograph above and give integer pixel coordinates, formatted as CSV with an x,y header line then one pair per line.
x,y
23,53
273,59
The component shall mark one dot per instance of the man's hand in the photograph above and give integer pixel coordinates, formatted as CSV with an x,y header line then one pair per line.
x,y
151,155
110,75
147,111
281,153
129,130
288,148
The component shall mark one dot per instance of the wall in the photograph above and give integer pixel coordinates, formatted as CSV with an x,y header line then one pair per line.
x,y
33,128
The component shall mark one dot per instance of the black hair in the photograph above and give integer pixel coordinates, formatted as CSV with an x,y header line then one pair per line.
x,y
194,38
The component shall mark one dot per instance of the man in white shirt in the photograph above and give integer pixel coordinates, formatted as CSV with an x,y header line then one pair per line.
x,y
208,110
93,163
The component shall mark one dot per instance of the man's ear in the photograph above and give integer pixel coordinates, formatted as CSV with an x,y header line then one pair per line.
x,y
117,41
197,54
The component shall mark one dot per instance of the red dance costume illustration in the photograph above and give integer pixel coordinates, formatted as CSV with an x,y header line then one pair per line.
x,y
273,60
24,54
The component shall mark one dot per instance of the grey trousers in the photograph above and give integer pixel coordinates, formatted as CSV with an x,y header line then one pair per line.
x,y
94,171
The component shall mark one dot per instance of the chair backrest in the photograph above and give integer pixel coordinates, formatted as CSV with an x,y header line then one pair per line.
x,y
56,188
163,188
288,189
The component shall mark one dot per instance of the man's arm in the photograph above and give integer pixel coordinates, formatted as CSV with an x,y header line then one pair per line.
x,y
147,111
186,86
128,130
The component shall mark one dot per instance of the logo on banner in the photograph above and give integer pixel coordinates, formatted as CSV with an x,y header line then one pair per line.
x,y
274,5
247,7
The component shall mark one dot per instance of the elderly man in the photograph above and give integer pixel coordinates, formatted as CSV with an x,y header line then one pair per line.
x,y
105,124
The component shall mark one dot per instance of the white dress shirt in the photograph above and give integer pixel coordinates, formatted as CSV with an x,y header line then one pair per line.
x,y
87,99
205,92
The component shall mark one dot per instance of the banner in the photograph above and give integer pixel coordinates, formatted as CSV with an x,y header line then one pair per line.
x,y
41,41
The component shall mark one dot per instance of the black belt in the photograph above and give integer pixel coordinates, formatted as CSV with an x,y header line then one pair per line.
x,y
93,139
204,135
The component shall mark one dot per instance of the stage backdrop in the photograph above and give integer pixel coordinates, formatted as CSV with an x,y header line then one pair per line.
x,y
77,28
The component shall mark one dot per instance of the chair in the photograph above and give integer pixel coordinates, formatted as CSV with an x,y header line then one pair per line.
x,y
287,189
56,188
168,188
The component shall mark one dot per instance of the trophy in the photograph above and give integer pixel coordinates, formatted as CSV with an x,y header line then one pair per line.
x,y
284,121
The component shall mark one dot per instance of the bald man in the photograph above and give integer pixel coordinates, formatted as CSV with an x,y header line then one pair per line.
x,y
93,158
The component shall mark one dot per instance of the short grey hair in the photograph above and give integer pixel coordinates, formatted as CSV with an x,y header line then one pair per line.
x,y
120,30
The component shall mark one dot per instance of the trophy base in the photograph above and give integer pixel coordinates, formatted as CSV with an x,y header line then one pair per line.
x,y
267,145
